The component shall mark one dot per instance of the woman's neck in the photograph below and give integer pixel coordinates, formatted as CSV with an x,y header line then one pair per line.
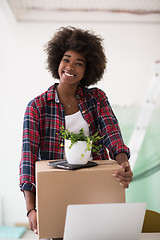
x,y
66,91
67,97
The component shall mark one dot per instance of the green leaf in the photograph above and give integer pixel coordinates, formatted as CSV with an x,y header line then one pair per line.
x,y
75,137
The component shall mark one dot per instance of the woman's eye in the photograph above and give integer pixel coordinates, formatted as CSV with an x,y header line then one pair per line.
x,y
65,60
79,64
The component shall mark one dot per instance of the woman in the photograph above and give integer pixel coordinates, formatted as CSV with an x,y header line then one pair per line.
x,y
75,57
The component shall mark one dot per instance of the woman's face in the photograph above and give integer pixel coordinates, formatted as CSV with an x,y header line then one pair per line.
x,y
72,67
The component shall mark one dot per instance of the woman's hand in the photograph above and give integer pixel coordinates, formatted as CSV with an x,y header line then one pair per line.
x,y
32,217
124,174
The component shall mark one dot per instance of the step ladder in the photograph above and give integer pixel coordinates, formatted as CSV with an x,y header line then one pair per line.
x,y
141,125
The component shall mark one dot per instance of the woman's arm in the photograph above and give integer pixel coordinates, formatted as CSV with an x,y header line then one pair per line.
x,y
32,215
113,140
30,148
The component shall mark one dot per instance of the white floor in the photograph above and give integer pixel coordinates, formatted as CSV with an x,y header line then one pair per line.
x,y
30,235
145,236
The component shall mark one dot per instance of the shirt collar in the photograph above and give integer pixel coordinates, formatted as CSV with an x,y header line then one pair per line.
x,y
79,92
52,93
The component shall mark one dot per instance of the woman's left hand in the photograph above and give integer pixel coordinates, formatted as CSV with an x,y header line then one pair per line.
x,y
124,174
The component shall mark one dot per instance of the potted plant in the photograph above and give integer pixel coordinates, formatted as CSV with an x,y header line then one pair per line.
x,y
78,146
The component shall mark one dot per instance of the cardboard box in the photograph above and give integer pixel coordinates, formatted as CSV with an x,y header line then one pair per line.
x,y
57,188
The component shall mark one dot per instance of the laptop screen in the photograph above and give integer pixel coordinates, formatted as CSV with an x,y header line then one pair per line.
x,y
116,221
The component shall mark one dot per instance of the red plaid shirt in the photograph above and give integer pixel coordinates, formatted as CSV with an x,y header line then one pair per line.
x,y
42,121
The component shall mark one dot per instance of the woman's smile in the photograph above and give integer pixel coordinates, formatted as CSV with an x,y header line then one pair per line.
x,y
69,74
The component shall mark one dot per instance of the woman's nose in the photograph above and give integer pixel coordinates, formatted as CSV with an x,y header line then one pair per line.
x,y
70,65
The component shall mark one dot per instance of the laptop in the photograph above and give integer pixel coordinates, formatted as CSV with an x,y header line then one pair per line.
x,y
116,221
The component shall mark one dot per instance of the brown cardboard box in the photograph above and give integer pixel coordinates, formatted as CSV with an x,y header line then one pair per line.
x,y
56,189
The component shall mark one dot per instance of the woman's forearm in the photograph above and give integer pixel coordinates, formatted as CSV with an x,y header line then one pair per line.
x,y
30,200
121,158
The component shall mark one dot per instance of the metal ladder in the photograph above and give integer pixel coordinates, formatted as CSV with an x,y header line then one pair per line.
x,y
141,125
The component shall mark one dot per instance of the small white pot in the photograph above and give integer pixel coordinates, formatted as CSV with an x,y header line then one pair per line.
x,y
73,154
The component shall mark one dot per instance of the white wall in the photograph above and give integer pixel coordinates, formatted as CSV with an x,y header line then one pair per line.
x,y
131,50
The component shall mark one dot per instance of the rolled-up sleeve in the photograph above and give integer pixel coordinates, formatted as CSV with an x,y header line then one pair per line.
x,y
30,148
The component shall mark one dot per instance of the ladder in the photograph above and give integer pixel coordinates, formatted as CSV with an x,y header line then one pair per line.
x,y
142,122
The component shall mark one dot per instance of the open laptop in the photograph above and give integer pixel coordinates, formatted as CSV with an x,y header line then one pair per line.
x,y
116,221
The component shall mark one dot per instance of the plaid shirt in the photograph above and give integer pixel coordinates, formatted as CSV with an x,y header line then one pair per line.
x,y
42,121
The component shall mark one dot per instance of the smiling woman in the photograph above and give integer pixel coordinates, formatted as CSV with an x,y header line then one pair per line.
x,y
75,57
71,68
71,71
84,42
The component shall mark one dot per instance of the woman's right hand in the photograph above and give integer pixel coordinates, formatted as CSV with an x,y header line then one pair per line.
x,y
32,217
